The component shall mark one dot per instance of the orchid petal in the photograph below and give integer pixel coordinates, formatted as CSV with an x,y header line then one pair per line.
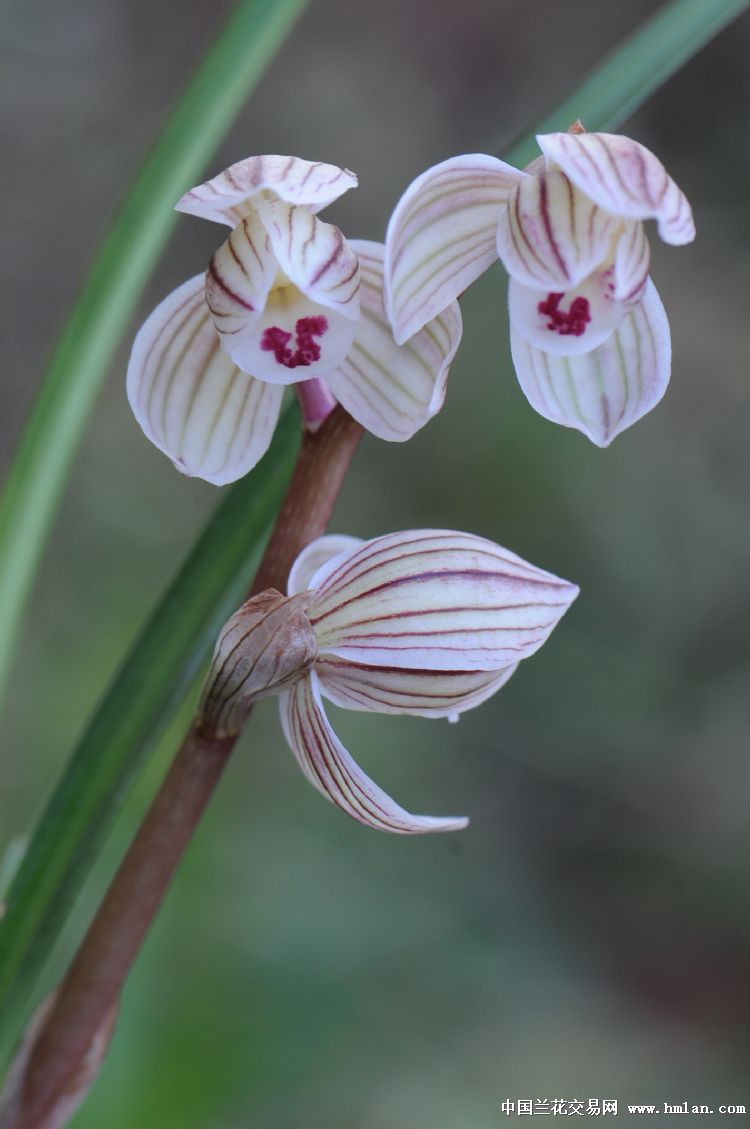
x,y
286,332
435,600
314,256
551,236
632,260
314,556
214,421
330,768
391,389
442,236
570,322
604,391
228,197
624,177
425,693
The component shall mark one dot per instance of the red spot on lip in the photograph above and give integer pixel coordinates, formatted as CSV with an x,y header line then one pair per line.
x,y
276,340
568,323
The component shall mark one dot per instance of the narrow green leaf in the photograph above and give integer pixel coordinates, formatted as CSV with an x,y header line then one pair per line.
x,y
79,364
625,79
145,693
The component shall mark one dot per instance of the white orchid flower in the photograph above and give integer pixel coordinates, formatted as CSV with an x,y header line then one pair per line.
x,y
426,622
589,335
285,299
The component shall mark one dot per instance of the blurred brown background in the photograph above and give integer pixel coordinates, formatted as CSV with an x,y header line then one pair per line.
x,y
589,935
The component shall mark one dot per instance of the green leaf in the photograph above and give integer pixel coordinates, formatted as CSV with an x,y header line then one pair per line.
x,y
160,667
79,364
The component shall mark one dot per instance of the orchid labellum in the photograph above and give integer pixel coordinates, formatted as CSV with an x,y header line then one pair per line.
x,y
426,622
589,335
286,298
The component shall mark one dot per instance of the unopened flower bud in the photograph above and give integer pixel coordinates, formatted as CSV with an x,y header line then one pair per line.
x,y
266,645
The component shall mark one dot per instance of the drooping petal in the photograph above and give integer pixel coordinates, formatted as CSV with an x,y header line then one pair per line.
x,y
605,391
551,236
624,177
570,322
426,693
317,554
269,325
330,768
212,420
314,256
393,390
228,197
631,263
442,236
435,600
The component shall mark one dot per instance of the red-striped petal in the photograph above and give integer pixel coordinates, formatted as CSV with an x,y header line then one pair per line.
x,y
442,236
435,600
213,420
330,768
229,197
425,693
605,391
393,390
551,236
624,177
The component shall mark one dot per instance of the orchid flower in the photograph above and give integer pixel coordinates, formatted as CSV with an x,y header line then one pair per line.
x,y
589,335
286,298
426,622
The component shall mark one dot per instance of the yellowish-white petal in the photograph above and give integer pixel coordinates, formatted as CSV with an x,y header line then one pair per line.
x,y
331,769
317,554
211,419
229,197
393,390
442,236
624,177
551,236
605,391
425,693
314,256
435,600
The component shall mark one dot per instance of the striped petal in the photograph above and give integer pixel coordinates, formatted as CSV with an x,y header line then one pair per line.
x,y
566,323
317,554
426,693
631,263
551,236
314,256
624,177
330,768
214,421
442,236
228,197
391,389
288,327
605,391
435,600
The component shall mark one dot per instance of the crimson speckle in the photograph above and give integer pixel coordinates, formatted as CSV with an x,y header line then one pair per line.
x,y
573,323
276,341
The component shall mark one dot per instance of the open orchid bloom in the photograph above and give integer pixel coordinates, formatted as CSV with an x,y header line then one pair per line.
x,y
586,324
426,622
285,299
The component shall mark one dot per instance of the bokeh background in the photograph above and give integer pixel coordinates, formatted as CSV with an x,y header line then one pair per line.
x,y
589,934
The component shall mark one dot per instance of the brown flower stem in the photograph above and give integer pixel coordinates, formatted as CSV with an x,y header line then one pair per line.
x,y
92,984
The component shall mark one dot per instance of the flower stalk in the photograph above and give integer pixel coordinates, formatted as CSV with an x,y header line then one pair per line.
x,y
94,980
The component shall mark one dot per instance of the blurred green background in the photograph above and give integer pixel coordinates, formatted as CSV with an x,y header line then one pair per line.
x,y
589,934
